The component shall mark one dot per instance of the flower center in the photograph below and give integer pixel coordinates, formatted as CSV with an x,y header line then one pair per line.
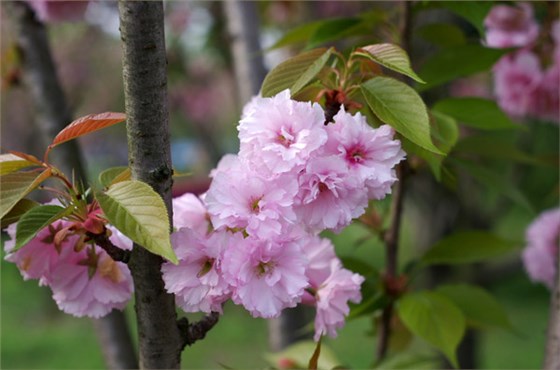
x,y
355,155
206,267
254,205
265,268
285,137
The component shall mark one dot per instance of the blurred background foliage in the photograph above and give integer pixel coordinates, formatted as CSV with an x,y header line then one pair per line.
x,y
502,192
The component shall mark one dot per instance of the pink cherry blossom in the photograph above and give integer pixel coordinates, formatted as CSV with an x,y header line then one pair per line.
x,y
244,199
320,253
280,133
36,259
546,100
197,280
189,211
266,276
516,80
541,253
370,154
332,296
89,283
510,26
59,11
329,197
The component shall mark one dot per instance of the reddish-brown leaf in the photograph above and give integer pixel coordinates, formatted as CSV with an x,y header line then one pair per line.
x,y
85,125
27,157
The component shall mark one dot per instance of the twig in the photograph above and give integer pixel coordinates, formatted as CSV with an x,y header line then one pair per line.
x,y
193,332
116,253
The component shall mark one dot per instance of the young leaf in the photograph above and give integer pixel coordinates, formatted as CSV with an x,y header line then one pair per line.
x,y
18,210
85,125
35,220
113,175
451,63
398,105
434,318
27,157
479,307
468,247
298,356
476,112
390,56
138,211
15,186
295,72
11,163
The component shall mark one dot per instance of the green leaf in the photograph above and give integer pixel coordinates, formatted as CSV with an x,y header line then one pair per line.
x,y
398,105
444,133
14,186
452,63
297,35
335,29
468,247
298,355
295,72
11,163
479,307
472,11
36,220
442,34
434,318
390,56
17,211
476,112
496,147
113,175
138,211
495,181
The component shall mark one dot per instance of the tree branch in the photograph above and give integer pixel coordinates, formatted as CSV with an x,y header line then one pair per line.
x,y
145,85
190,333
392,235
103,241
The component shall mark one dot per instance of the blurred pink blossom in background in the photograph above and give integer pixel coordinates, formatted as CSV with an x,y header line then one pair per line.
x,y
540,256
59,11
511,26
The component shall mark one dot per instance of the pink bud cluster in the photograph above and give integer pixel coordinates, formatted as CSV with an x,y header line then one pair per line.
x,y
253,237
522,85
84,280
59,10
540,256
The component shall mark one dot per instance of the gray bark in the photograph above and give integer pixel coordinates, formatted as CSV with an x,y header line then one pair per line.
x,y
53,114
244,30
145,85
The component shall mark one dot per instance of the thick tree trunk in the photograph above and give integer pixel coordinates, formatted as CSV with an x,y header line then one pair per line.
x,y
145,84
53,114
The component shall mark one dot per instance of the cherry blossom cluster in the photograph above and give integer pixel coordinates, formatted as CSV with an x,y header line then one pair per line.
x,y
541,253
525,81
253,237
84,280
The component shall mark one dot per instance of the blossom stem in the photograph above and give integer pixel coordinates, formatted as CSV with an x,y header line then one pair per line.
x,y
196,331
102,240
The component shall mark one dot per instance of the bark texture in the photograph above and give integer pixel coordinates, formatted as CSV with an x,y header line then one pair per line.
x,y
53,114
145,84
